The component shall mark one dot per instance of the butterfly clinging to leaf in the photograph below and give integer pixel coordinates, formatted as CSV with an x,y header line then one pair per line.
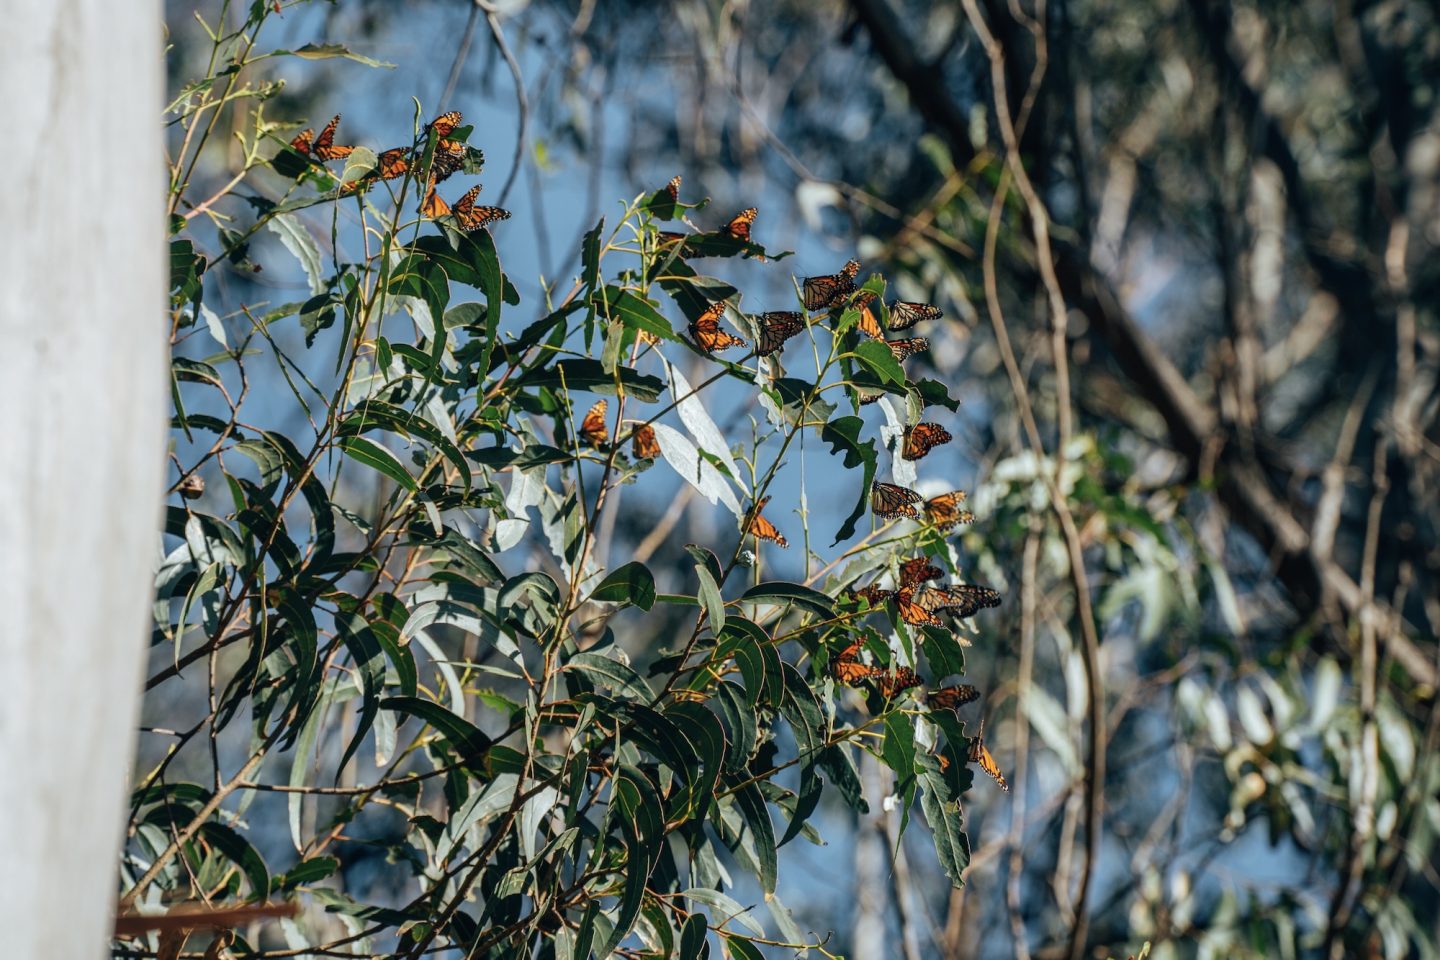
x,y
897,681
921,438
914,613
445,124
323,147
951,698
593,429
917,570
822,292
903,349
945,511
867,324
889,500
472,217
739,226
706,330
776,328
959,599
643,443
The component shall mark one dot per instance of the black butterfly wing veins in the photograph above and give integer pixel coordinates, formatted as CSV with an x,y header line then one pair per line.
x,y
959,599
948,510
904,314
776,328
706,330
821,293
921,438
472,217
889,500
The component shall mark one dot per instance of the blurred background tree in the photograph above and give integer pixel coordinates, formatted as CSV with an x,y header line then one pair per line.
x,y
1186,251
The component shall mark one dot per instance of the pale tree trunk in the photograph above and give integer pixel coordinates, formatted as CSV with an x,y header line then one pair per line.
x,y
82,426
870,937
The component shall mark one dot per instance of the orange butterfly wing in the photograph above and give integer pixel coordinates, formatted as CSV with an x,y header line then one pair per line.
x,y
897,681
916,571
904,314
891,500
706,330
448,158
907,348
922,438
592,429
673,188
303,140
643,443
872,594
434,205
325,147
867,324
852,672
979,753
445,124
952,698
393,163
762,529
913,613
945,511
820,293
739,226
776,328
959,600
471,217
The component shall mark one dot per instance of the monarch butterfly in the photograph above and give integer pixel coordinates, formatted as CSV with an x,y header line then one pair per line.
x,y
739,226
867,324
434,205
905,314
643,443
951,698
325,147
890,500
980,754
673,188
847,668
914,613
393,163
852,672
776,328
871,594
920,438
322,146
445,124
866,397
897,681
917,570
907,348
706,330
593,429
945,511
472,217
448,158
667,237
762,529
959,599
822,292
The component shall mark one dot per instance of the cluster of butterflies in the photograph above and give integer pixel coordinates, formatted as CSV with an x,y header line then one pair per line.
x,y
448,158
918,602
